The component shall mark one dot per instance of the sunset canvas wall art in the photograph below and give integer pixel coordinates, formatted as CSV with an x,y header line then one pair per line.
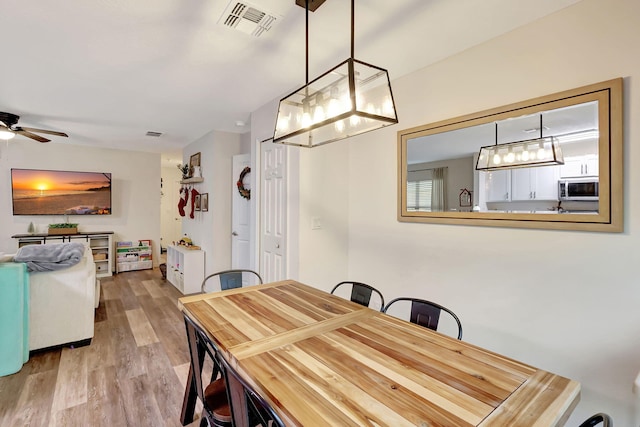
x,y
47,192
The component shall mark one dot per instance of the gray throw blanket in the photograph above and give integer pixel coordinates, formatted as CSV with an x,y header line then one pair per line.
x,y
50,257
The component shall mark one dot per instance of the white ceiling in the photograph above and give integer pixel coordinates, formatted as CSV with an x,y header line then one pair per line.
x,y
108,71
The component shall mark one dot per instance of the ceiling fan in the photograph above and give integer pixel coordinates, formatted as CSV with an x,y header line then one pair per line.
x,y
8,129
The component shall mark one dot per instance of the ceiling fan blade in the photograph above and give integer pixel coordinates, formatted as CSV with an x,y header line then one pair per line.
x,y
48,132
23,132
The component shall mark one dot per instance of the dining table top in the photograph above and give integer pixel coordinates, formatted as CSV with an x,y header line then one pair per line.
x,y
315,356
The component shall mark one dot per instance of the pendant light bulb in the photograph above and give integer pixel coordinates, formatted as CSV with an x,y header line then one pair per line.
x,y
510,157
542,153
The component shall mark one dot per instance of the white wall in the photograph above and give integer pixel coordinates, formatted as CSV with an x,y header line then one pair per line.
x,y
135,189
212,230
170,228
563,301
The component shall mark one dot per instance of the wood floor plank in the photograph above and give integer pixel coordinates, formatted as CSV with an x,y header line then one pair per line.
x,y
71,383
145,411
153,289
171,333
125,348
137,286
36,398
100,354
140,327
105,405
74,416
127,296
162,379
113,307
109,289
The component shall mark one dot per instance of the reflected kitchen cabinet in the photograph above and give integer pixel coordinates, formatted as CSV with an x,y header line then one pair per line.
x,y
579,166
539,183
498,185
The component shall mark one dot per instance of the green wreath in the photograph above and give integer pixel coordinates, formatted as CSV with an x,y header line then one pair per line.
x,y
244,192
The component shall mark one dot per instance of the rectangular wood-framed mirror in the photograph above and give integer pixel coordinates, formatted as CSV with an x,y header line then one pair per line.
x,y
437,175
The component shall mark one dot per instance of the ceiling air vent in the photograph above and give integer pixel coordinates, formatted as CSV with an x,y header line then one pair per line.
x,y
248,18
154,134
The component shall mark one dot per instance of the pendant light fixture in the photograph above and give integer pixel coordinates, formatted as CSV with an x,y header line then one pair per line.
x,y
352,98
543,151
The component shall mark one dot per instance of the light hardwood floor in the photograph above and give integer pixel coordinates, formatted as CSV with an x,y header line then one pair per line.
x,y
132,374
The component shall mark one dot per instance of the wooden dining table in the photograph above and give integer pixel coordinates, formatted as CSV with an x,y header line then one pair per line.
x,y
318,359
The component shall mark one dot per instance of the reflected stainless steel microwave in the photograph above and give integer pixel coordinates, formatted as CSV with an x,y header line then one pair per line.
x,y
579,189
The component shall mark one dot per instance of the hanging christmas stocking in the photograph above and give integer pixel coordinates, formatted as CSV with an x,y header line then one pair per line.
x,y
194,193
184,197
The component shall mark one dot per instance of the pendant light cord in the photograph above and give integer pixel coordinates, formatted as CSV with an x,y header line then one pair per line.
x,y
540,126
306,64
353,23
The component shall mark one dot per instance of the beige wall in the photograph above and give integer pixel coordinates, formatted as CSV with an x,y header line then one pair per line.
x,y
563,301
212,230
135,196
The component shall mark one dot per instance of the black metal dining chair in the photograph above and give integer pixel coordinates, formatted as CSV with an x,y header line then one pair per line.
x,y
257,411
360,293
216,410
596,419
230,279
426,313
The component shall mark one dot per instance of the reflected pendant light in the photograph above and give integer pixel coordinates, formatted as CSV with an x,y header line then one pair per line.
x,y
352,98
543,151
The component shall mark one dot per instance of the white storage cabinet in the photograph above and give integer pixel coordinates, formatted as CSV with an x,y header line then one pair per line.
x,y
185,268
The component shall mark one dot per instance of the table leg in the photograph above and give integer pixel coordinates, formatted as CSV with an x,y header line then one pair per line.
x,y
194,379
189,401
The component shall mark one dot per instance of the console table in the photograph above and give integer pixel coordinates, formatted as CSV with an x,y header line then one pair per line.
x,y
100,242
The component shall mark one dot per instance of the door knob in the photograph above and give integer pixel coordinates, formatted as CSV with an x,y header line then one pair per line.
x,y
234,233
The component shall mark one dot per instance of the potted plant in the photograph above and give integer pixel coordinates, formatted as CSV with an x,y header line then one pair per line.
x,y
63,228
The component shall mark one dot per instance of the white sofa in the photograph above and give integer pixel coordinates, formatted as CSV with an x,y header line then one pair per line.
x,y
62,304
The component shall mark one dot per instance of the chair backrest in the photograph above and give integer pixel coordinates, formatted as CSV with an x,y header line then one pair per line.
x,y
257,411
230,279
426,313
361,293
596,419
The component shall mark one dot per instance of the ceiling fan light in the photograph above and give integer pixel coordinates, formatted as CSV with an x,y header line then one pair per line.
x,y
6,134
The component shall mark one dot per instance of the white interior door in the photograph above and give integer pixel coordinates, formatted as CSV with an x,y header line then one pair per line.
x,y
273,218
240,217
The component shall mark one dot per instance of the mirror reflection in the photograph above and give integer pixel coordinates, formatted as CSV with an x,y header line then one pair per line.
x,y
444,176
442,167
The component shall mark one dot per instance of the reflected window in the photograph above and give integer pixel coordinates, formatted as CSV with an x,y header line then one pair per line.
x,y
419,195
